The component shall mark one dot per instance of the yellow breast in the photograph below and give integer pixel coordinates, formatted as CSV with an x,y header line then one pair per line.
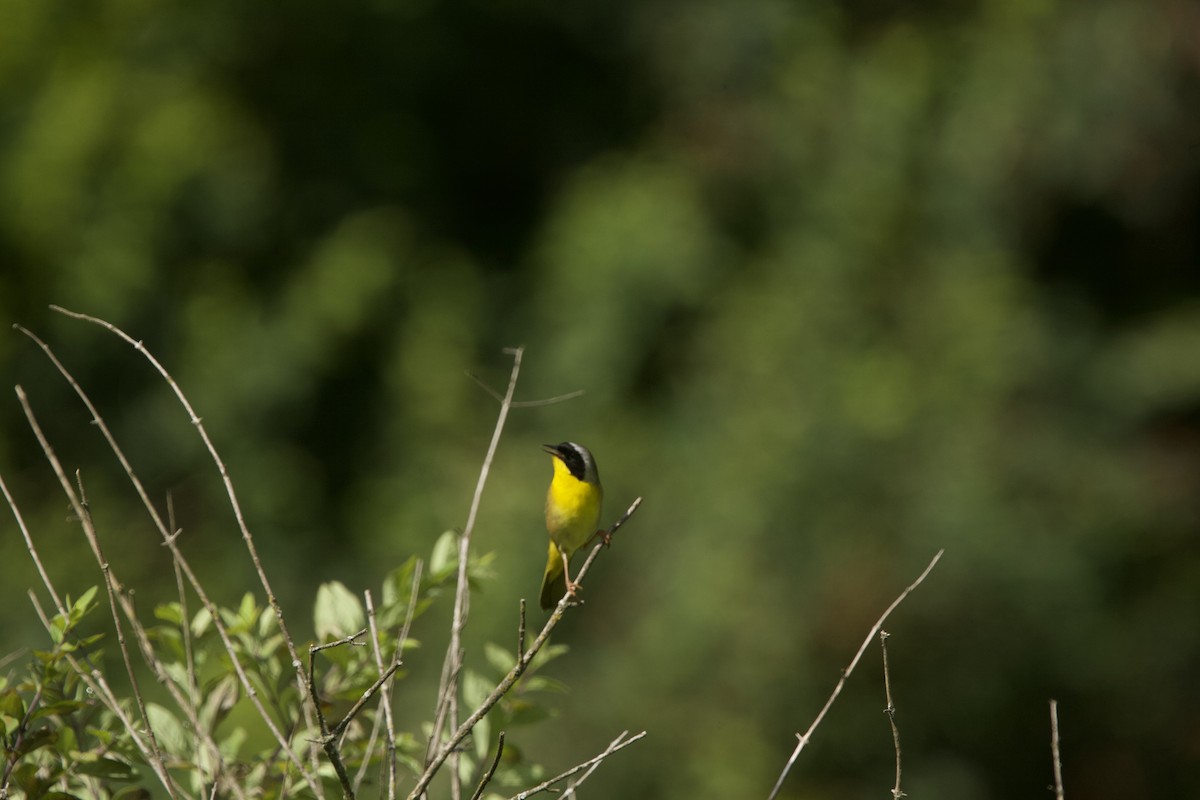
x,y
572,509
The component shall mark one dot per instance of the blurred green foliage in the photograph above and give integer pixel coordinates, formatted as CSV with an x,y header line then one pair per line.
x,y
845,283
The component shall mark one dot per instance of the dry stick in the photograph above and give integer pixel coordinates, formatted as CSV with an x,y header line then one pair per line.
x,y
385,694
519,668
146,648
613,747
297,664
329,738
521,632
548,401
92,678
454,653
1058,784
891,711
595,764
79,505
487,777
37,561
384,712
111,586
169,540
186,625
807,735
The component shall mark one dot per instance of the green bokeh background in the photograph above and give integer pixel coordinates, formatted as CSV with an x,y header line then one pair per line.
x,y
845,283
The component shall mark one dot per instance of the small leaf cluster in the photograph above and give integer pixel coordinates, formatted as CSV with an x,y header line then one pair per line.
x,y
56,739
61,739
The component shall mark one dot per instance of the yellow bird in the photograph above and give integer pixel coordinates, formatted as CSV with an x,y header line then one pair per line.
x,y
572,515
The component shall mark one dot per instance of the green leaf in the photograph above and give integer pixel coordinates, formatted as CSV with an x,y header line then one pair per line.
x,y
169,612
11,704
397,586
523,712
83,605
104,767
338,612
61,708
218,700
482,738
266,622
540,683
67,742
248,610
170,733
475,688
133,793
500,659
445,555
201,621
43,737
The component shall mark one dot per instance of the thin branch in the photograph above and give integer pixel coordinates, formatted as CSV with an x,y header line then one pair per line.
x,y
94,680
549,401
384,715
37,561
614,746
186,623
297,664
362,701
805,737
79,505
328,739
487,777
521,632
453,661
1058,782
891,711
168,538
118,597
519,668
14,742
595,765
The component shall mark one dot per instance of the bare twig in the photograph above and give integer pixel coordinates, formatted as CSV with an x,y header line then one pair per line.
x,y
91,677
297,664
518,669
328,738
613,746
37,561
16,740
521,632
448,692
186,624
487,776
1058,783
169,537
340,728
590,764
384,716
805,737
549,401
112,588
891,711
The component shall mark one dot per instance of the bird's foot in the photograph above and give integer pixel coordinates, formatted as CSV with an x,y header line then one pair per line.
x,y
603,536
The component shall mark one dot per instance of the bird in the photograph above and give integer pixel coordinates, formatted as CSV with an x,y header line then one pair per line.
x,y
572,515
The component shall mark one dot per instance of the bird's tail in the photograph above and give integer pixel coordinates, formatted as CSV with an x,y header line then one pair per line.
x,y
554,584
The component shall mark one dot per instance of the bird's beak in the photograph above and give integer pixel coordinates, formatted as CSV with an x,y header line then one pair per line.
x,y
552,450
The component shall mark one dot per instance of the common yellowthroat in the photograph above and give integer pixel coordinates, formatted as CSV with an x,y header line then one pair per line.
x,y
572,515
